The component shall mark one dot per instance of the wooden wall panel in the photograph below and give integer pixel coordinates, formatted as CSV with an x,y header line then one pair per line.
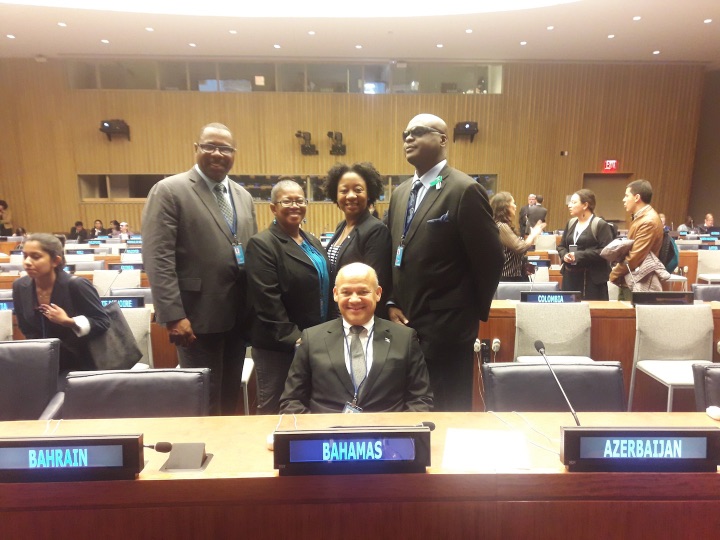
x,y
646,116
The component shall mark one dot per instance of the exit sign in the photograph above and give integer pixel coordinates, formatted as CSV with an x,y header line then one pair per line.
x,y
610,166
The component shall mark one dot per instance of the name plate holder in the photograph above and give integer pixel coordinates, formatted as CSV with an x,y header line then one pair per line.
x,y
348,450
591,449
71,459
554,297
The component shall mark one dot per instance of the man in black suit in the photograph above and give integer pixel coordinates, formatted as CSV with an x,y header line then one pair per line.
x,y
195,227
523,219
447,259
360,362
535,213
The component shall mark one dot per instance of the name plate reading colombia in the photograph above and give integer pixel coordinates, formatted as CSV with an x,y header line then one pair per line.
x,y
70,459
640,449
348,450
554,297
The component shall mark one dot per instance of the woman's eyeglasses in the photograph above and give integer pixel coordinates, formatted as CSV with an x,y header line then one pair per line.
x,y
287,203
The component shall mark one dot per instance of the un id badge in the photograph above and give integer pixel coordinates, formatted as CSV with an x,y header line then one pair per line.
x,y
351,409
239,254
398,256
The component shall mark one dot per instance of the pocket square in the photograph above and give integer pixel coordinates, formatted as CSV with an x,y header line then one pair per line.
x,y
445,218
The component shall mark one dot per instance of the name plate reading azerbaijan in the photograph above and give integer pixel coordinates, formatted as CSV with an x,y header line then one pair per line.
x,y
51,459
352,450
641,449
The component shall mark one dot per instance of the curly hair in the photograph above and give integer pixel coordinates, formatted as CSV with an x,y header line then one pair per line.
x,y
500,204
366,171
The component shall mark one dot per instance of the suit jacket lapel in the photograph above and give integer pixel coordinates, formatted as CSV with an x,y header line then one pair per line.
x,y
381,347
210,202
425,205
289,246
335,343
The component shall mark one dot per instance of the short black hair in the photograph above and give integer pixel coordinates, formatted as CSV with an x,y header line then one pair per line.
x,y
78,223
642,188
366,171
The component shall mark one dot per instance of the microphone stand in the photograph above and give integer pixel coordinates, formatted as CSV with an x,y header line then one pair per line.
x,y
541,349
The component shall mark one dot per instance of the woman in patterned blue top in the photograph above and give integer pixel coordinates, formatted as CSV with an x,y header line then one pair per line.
x,y
289,287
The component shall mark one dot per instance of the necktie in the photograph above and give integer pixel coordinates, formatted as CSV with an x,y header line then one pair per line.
x,y
225,208
411,204
357,357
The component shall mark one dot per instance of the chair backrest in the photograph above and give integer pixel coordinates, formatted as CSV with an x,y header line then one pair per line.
x,y
6,326
5,294
510,290
707,385
29,372
104,280
145,292
708,262
139,320
545,242
563,328
149,393
597,386
89,266
706,293
11,267
673,332
131,257
71,259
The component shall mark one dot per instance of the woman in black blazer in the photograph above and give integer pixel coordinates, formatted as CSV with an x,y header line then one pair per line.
x,y
51,303
360,237
584,238
289,286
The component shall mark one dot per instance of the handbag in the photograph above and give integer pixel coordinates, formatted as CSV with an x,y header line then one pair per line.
x,y
115,348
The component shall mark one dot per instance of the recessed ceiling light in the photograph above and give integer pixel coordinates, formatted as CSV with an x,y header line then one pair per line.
x,y
439,45
62,24
611,36
105,41
707,21
468,31
637,18
276,46
149,29
523,43
311,33
551,28
193,44
233,32
656,52
358,46
10,36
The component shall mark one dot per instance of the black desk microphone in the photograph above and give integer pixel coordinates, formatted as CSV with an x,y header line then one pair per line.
x,y
540,347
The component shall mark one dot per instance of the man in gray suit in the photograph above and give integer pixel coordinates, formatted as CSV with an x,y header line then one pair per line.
x,y
447,259
360,362
535,213
195,227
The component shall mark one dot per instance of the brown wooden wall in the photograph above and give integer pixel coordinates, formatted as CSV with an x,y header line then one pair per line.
x,y
646,116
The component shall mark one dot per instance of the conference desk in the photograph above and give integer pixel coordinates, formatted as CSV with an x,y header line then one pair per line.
x,y
239,495
612,339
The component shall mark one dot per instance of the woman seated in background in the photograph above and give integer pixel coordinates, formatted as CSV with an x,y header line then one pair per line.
x,y
114,230
125,231
504,208
360,237
584,238
289,286
98,229
49,303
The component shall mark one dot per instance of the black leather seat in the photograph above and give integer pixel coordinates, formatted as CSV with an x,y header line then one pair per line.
x,y
510,290
596,386
707,385
146,393
28,377
706,293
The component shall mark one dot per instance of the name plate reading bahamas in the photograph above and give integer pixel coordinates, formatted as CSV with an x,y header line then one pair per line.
x,y
50,459
641,449
352,450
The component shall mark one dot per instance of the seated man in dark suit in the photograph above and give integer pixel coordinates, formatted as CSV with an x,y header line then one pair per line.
x,y
78,232
359,362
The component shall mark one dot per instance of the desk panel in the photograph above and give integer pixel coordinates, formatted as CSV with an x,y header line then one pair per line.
x,y
240,495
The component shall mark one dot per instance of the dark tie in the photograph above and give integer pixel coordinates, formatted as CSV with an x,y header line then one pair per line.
x,y
358,363
222,202
411,203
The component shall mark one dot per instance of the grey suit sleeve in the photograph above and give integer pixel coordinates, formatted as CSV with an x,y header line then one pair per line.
x,y
418,395
298,385
160,224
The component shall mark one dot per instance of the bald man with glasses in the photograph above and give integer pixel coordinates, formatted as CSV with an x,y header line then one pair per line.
x,y
195,228
447,259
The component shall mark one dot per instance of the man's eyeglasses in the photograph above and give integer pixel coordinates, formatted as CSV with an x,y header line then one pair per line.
x,y
210,148
419,131
287,203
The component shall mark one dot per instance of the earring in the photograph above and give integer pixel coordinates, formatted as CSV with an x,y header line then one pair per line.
x,y
274,221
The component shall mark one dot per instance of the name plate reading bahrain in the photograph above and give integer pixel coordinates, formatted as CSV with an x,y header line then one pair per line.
x,y
71,459
640,449
348,450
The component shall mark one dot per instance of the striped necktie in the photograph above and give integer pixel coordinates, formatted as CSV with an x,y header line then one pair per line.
x,y
358,363
225,208
411,204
